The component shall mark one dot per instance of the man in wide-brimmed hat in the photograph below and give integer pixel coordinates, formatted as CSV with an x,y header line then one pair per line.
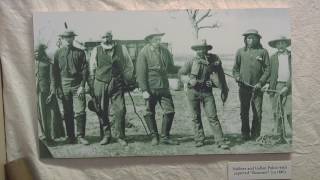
x,y
153,65
69,79
280,81
200,70
251,70
111,69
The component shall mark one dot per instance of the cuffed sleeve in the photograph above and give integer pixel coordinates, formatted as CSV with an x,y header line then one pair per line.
x,y
266,66
236,66
141,71
128,65
186,68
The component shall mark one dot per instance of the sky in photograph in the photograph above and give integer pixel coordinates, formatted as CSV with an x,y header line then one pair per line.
x,y
137,24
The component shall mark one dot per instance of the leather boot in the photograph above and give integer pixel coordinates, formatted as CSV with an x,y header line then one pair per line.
x,y
106,138
81,125
165,130
152,126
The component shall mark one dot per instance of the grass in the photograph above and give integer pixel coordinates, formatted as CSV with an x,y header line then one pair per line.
x,y
139,143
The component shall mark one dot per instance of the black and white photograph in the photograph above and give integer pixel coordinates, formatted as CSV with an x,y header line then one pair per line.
x,y
162,83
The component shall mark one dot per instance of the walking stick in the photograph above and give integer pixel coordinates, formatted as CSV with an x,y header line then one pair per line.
x,y
135,111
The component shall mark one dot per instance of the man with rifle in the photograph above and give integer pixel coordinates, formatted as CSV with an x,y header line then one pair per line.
x,y
110,69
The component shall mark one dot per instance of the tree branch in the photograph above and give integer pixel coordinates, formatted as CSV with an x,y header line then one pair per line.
x,y
216,25
207,14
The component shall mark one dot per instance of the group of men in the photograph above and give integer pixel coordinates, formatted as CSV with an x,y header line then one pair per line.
x,y
109,71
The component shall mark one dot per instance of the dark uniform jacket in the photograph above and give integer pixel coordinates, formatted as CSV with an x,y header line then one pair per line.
x,y
69,62
153,65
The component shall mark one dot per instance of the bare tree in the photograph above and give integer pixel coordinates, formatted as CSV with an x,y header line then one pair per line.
x,y
196,18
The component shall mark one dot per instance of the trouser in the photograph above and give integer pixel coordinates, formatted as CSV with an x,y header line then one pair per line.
x,y
118,106
164,98
45,115
74,108
286,104
247,96
58,128
51,120
206,99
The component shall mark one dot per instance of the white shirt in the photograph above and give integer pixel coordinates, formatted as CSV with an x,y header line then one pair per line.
x,y
283,70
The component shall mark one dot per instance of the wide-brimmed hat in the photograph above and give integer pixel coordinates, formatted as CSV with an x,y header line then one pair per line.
x,y
68,34
107,34
155,33
252,31
273,43
201,45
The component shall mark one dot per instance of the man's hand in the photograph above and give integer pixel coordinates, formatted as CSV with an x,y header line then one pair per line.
x,y
49,98
145,95
224,96
284,91
237,79
81,93
209,84
257,86
59,93
265,87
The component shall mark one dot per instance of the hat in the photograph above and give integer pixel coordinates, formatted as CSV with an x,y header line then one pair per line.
x,y
91,106
107,34
40,46
156,33
202,45
252,31
68,34
280,38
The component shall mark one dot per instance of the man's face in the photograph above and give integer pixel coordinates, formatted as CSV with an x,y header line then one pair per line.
x,y
281,46
108,39
69,40
252,40
201,52
156,40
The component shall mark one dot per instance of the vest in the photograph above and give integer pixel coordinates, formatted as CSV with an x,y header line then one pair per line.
x,y
109,67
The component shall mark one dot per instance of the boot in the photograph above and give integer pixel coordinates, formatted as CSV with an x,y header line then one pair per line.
x,y
81,125
155,140
106,135
122,142
165,130
151,124
82,140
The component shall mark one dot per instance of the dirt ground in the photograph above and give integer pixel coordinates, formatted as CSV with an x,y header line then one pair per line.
x,y
139,142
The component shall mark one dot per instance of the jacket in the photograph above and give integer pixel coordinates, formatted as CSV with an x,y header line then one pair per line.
x,y
152,68
212,65
252,66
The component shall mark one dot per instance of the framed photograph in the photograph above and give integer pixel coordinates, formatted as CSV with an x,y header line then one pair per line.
x,y
159,83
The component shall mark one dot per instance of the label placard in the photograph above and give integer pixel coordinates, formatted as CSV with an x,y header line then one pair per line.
x,y
259,170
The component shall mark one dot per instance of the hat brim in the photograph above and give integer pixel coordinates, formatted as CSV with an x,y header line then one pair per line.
x,y
274,42
198,47
147,38
247,34
68,35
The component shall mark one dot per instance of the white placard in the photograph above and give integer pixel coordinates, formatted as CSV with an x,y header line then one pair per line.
x,y
259,170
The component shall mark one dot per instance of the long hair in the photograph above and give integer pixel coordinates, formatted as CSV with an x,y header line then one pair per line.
x,y
258,46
